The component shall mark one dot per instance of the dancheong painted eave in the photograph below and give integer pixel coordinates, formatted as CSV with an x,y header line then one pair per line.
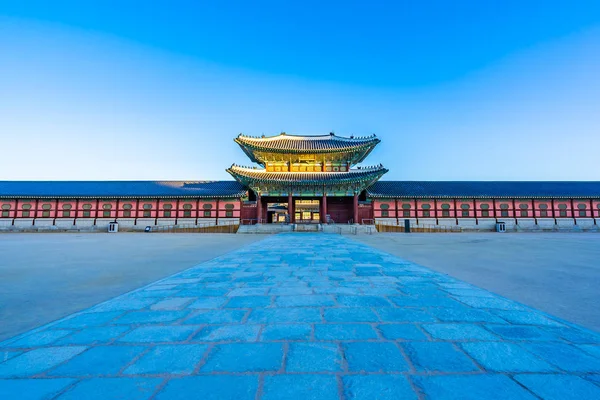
x,y
484,189
297,144
247,175
121,189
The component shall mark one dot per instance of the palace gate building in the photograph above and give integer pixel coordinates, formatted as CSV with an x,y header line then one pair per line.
x,y
300,180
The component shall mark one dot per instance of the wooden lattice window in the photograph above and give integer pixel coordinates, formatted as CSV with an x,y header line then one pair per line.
x,y
46,210
385,210
406,210
187,210
229,210
87,210
504,210
465,210
66,213
127,210
562,210
5,210
167,210
582,210
524,210
543,210
485,210
26,210
207,210
147,210
445,210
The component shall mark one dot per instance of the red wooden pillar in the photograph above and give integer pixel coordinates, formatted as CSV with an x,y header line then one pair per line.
x,y
35,211
416,212
55,213
355,208
16,214
455,212
217,220
76,213
96,212
291,211
197,210
156,216
258,208
324,209
137,211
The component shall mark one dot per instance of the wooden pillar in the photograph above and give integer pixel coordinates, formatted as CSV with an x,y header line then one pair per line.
x,y
416,212
156,216
56,213
117,210
76,213
573,212
324,208
291,211
455,212
355,203
16,214
197,210
35,211
96,213
217,220
494,208
397,215
258,208
553,212
435,211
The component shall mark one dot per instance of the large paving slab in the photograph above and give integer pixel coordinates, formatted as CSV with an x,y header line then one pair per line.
x,y
46,276
304,316
555,272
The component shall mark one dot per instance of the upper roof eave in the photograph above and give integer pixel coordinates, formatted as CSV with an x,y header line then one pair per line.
x,y
295,144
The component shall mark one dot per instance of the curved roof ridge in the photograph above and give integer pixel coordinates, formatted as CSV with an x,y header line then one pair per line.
x,y
330,136
254,169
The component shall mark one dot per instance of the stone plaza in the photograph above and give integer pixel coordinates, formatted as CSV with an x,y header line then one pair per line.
x,y
304,316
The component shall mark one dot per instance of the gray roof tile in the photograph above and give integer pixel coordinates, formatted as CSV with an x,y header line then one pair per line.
x,y
471,189
108,189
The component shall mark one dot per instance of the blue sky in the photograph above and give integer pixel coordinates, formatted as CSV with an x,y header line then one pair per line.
x,y
506,90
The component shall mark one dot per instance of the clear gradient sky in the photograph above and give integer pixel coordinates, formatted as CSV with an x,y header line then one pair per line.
x,y
153,90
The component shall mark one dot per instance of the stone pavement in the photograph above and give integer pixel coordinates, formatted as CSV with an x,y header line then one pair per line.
x,y
304,316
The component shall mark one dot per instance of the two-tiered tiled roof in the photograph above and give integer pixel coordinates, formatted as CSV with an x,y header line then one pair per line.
x,y
360,147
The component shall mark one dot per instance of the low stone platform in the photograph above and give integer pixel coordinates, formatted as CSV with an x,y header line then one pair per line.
x,y
304,316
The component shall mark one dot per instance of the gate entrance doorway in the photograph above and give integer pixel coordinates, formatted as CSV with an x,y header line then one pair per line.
x,y
307,211
278,213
